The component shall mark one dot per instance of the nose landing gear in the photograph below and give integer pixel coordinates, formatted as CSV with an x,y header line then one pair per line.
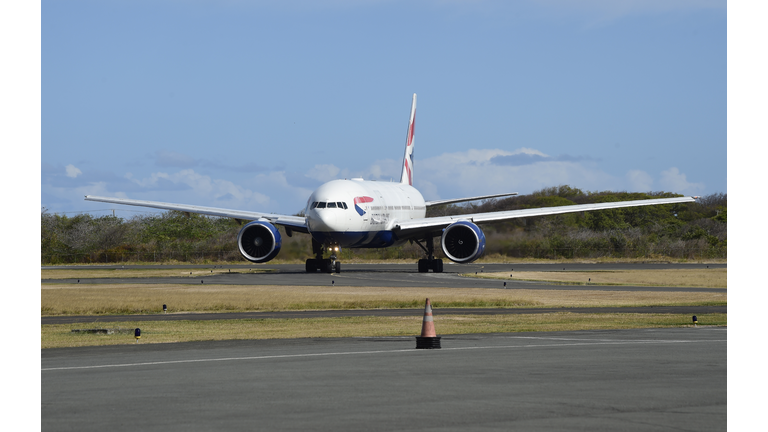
x,y
324,265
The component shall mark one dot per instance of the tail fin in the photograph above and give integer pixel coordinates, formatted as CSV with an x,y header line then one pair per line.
x,y
407,175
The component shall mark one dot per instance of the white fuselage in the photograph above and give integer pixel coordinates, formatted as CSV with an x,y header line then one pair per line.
x,y
357,213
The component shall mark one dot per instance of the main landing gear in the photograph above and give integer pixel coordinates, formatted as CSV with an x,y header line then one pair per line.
x,y
324,265
435,264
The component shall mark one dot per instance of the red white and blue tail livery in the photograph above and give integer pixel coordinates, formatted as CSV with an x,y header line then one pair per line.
x,y
370,214
406,176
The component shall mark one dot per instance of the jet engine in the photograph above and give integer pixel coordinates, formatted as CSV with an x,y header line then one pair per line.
x,y
259,241
463,242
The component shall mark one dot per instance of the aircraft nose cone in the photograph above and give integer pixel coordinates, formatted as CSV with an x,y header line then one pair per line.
x,y
325,220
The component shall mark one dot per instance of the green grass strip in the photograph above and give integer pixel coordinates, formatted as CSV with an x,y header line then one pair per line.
x,y
61,335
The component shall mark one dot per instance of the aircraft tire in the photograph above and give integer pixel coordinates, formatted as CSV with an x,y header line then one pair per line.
x,y
327,266
423,266
437,265
311,266
338,267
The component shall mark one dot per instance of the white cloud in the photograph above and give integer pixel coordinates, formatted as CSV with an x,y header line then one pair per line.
x,y
471,172
672,180
639,181
528,151
323,173
376,171
449,175
172,159
383,170
289,199
95,188
471,156
476,172
217,191
72,171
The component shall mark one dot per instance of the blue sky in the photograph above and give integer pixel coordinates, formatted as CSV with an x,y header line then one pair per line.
x,y
252,105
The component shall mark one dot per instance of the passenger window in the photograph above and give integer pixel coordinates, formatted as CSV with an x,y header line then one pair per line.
x,y
331,205
321,205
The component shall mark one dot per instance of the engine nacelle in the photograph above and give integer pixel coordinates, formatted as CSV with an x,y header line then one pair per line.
x,y
463,242
259,241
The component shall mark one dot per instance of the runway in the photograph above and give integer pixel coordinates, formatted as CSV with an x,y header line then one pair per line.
x,y
391,275
659,379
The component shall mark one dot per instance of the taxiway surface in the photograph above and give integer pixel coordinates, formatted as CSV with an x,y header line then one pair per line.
x,y
389,275
632,380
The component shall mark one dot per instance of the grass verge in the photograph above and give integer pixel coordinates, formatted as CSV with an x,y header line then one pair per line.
x,y
97,299
709,278
58,336
143,273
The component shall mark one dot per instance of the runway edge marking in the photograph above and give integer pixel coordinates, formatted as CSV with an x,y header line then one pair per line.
x,y
410,350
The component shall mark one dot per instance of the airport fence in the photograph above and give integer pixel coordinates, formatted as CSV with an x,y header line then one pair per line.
x,y
203,256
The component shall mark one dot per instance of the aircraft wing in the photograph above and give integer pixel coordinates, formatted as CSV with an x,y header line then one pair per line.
x,y
458,200
295,223
437,223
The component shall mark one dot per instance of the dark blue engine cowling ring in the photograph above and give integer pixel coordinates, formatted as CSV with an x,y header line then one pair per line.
x,y
259,241
463,242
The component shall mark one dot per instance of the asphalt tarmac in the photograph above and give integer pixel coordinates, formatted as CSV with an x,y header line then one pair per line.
x,y
630,380
657,379
390,275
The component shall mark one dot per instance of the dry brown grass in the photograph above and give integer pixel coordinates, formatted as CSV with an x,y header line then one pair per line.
x,y
142,273
708,278
503,259
55,336
69,299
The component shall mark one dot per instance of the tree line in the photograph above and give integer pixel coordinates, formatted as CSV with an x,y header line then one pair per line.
x,y
687,231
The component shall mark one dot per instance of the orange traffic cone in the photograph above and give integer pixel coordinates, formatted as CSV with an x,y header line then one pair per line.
x,y
428,338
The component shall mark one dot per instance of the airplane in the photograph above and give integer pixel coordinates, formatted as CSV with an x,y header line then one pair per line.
x,y
355,213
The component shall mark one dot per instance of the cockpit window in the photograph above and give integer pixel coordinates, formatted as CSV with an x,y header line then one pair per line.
x,y
338,204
